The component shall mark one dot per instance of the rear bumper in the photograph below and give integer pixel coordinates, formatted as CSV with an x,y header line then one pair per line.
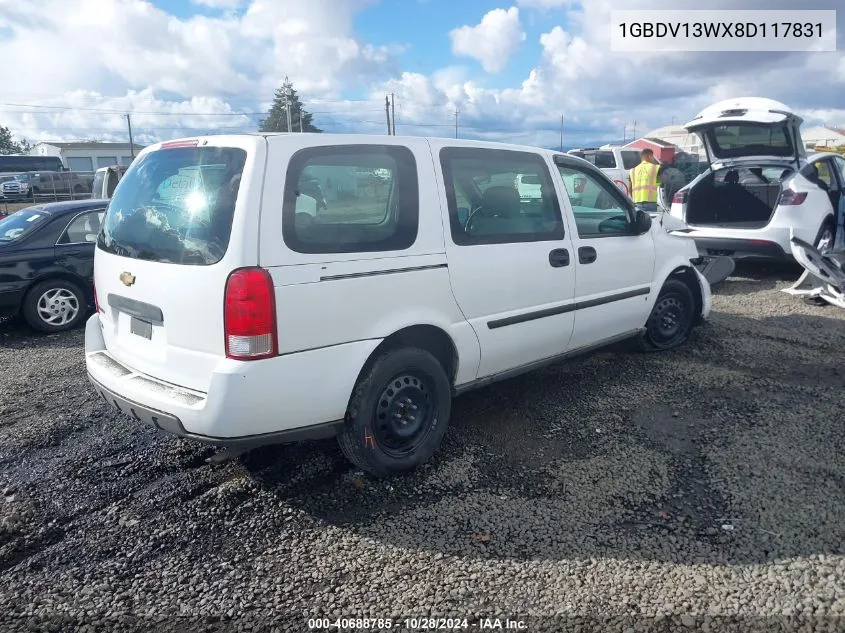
x,y
173,425
739,248
286,398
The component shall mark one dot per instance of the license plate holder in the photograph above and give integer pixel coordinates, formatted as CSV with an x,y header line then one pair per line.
x,y
141,328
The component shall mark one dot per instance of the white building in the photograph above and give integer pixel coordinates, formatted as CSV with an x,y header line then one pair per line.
x,y
824,136
87,156
678,136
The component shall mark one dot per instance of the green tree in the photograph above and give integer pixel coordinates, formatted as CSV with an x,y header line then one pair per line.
x,y
8,144
277,118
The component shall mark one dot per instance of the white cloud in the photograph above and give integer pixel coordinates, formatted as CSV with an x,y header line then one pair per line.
x,y
137,57
603,93
492,41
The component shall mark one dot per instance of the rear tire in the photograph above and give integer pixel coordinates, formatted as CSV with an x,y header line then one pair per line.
x,y
671,319
54,306
398,413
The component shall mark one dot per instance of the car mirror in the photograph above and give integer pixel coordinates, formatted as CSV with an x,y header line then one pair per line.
x,y
642,222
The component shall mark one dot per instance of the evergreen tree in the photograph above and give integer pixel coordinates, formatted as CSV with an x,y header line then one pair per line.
x,y
8,144
277,118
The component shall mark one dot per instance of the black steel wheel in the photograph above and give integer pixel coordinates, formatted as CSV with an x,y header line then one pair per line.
x,y
671,319
398,413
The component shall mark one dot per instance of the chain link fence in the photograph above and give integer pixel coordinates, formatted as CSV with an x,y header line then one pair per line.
x,y
17,192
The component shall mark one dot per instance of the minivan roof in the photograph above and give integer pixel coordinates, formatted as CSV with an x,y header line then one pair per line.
x,y
331,138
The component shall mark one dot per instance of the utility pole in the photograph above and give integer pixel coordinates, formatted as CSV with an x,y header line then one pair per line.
x,y
393,111
457,112
635,130
561,133
625,133
387,112
300,119
131,143
287,103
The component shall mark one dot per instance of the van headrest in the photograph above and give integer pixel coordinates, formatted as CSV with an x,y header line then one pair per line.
x,y
501,201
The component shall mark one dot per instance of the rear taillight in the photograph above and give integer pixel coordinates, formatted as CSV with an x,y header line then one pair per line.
x,y
680,197
249,315
792,198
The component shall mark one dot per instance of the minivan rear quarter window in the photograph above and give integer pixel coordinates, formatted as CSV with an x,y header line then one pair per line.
x,y
175,206
351,198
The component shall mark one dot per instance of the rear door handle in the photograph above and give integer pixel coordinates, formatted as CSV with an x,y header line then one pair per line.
x,y
559,258
587,255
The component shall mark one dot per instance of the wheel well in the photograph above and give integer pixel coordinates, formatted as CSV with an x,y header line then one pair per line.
x,y
427,337
688,276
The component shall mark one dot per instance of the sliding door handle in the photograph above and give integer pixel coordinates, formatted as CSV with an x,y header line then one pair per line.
x,y
587,255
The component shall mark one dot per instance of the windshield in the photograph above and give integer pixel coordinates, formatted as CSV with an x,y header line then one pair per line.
x,y
175,206
24,177
20,224
733,140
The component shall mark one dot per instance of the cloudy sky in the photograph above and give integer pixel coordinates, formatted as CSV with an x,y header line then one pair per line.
x,y
72,68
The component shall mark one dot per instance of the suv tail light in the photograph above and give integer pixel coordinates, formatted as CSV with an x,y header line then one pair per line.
x,y
249,315
680,197
792,198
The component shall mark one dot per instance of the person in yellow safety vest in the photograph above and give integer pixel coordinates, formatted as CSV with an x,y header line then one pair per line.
x,y
645,181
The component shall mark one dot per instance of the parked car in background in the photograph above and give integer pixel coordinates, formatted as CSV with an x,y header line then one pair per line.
x,y
528,186
36,186
614,160
4,178
217,323
760,186
105,181
47,263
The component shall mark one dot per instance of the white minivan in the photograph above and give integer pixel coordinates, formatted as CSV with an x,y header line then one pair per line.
x,y
230,312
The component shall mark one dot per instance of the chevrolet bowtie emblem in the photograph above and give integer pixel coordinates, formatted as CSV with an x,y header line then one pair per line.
x,y
127,278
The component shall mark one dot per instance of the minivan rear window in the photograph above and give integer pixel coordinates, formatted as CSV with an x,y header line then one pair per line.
x,y
175,206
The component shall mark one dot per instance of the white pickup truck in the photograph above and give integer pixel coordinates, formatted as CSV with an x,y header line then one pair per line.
x,y
617,161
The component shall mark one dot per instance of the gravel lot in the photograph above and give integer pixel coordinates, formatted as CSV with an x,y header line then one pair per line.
x,y
705,482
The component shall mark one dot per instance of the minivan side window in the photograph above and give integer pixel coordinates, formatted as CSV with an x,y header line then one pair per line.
x,y
598,206
351,199
485,203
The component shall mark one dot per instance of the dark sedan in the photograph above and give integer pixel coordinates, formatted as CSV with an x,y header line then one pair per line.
x,y
47,262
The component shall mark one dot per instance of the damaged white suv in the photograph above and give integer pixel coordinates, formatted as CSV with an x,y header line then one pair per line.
x,y
760,185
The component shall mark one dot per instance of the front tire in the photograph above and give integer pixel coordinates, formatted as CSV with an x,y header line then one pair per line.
x,y
671,319
54,306
398,413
